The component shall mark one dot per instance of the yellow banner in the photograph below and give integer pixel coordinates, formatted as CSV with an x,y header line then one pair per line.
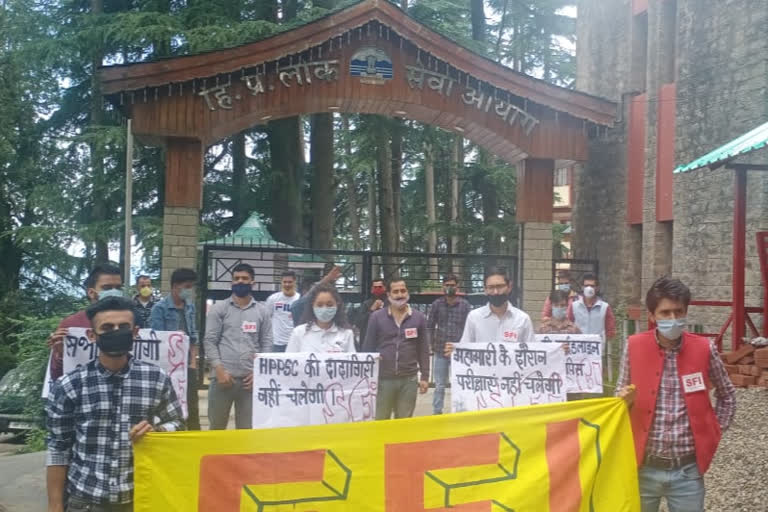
x,y
572,457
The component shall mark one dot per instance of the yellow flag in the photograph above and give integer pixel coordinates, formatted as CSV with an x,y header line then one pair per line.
x,y
572,457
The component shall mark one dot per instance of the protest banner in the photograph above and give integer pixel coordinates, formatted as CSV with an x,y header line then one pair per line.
x,y
491,375
583,360
569,457
166,349
312,389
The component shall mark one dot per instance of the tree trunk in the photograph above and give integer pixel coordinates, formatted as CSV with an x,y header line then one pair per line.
x,y
386,199
490,207
323,189
397,175
429,185
478,20
456,163
373,224
287,157
239,192
351,186
100,213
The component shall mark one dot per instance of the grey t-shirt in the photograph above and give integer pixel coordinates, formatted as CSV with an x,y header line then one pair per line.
x,y
234,334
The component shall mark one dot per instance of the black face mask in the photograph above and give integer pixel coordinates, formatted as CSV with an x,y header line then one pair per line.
x,y
450,291
497,300
115,343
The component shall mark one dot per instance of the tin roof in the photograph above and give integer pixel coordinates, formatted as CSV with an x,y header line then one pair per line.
x,y
750,141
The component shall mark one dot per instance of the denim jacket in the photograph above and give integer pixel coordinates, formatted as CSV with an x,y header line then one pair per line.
x,y
165,318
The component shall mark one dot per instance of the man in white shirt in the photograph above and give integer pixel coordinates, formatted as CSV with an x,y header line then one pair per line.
x,y
498,320
279,308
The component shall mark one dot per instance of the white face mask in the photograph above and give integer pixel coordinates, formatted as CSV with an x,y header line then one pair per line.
x,y
589,291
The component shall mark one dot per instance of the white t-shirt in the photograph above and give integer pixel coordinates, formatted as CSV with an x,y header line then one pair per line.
x,y
484,326
316,339
279,307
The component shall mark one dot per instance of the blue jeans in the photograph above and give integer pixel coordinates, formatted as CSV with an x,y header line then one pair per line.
x,y
441,370
279,348
683,487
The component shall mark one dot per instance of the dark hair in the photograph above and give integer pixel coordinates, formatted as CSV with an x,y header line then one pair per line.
x,y
103,269
183,275
244,267
450,277
379,280
308,317
142,276
395,279
589,276
556,296
564,273
288,273
110,304
667,288
496,271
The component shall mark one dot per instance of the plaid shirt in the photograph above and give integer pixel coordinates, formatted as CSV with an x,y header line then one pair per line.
x,y
670,435
447,322
90,413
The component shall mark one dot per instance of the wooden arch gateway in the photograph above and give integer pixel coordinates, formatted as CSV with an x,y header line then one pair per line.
x,y
370,57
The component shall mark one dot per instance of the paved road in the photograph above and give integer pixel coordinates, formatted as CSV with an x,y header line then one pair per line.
x,y
22,477
22,482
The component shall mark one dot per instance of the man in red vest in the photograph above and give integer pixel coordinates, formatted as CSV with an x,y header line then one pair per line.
x,y
666,376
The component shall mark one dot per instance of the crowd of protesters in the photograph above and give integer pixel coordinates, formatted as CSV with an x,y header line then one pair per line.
x,y
97,411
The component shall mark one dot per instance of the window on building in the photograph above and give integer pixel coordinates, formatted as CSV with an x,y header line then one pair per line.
x,y
639,51
561,177
668,41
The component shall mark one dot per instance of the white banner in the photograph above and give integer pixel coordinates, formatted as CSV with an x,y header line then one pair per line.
x,y
167,349
492,375
314,388
583,360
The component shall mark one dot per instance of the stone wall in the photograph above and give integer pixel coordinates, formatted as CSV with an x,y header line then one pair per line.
x,y
599,216
180,230
722,89
537,267
721,72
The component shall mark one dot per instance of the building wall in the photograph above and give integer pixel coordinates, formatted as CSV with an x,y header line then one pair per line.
x,y
723,92
720,69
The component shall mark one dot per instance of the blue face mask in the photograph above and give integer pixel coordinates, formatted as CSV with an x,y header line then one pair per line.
x,y
565,287
559,313
671,328
113,292
324,314
241,289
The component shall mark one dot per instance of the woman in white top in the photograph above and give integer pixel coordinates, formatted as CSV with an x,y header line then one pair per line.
x,y
325,327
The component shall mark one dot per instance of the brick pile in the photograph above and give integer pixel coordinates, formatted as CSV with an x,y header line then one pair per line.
x,y
747,366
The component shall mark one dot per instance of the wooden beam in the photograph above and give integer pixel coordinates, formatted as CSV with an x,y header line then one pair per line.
x,y
535,190
184,173
739,254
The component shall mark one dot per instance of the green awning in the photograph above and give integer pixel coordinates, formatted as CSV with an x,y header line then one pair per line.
x,y
750,141
251,234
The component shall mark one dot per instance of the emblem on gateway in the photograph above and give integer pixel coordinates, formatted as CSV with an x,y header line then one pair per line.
x,y
372,65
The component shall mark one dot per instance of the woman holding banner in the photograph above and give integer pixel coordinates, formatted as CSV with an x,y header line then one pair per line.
x,y
324,327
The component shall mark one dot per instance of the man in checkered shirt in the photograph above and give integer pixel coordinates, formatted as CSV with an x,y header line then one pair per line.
x,y
97,411
666,377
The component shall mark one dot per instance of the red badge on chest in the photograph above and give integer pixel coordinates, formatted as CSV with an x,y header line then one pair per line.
x,y
411,333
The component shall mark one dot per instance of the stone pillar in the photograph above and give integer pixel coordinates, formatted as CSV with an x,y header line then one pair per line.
x,y
183,199
179,241
535,197
537,267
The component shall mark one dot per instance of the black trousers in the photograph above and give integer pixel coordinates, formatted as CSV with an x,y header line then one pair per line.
x,y
193,406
